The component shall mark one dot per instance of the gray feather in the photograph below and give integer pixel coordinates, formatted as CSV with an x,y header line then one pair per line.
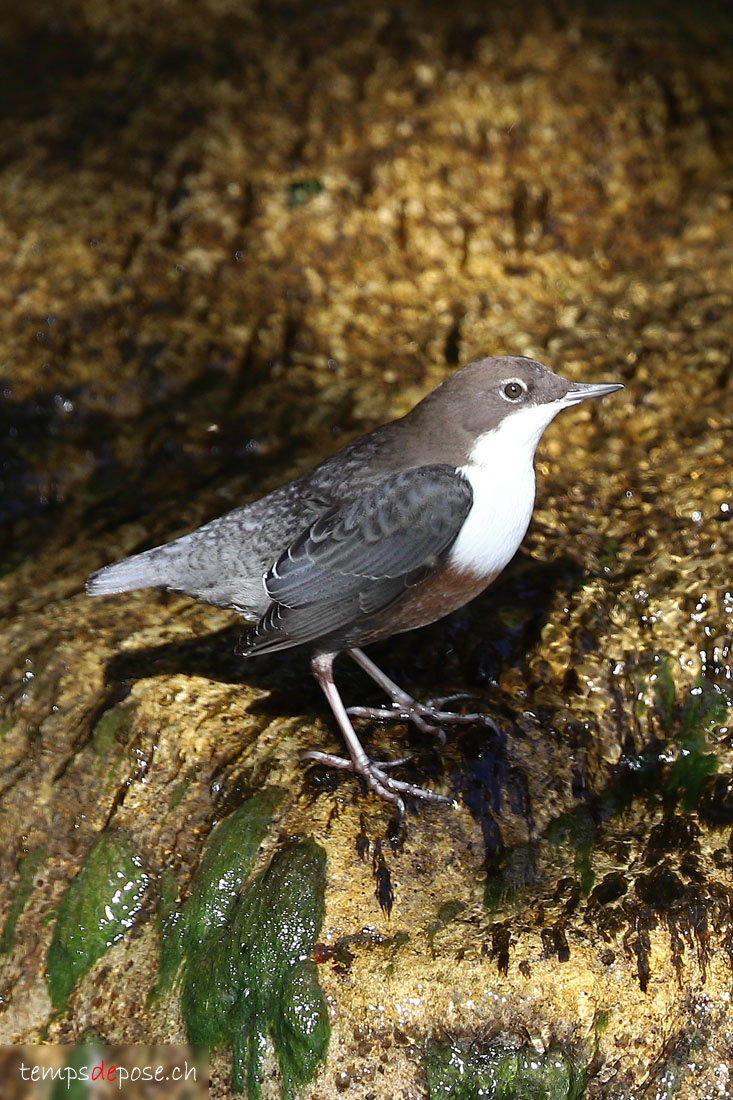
x,y
138,571
358,559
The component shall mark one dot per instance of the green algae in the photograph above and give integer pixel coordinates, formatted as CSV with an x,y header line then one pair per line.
x,y
300,1027
110,734
687,723
459,1071
179,792
302,191
705,706
242,952
511,871
393,946
226,863
98,907
692,720
689,771
601,1022
252,976
578,829
111,728
169,922
664,693
28,867
447,912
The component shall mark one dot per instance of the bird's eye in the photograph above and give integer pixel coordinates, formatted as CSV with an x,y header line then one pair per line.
x,y
513,390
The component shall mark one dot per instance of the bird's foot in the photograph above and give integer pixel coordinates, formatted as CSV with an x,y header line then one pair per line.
x,y
374,774
428,717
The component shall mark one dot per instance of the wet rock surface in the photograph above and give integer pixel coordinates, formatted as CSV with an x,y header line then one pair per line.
x,y
234,238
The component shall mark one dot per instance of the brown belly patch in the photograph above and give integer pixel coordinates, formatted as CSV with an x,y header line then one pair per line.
x,y
433,598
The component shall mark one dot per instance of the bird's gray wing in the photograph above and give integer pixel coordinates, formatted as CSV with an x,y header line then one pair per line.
x,y
360,557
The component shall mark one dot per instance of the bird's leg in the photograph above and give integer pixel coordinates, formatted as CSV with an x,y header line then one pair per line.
x,y
428,717
374,773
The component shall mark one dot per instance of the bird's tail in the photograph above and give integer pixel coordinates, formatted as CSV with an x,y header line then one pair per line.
x,y
139,571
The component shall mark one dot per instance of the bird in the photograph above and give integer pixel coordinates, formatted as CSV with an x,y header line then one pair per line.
x,y
397,529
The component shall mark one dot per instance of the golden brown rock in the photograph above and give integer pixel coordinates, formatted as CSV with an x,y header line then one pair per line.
x,y
233,237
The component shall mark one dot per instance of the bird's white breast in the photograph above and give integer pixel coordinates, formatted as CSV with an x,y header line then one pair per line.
x,y
500,470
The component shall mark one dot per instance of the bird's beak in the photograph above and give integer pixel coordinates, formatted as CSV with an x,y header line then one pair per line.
x,y
580,390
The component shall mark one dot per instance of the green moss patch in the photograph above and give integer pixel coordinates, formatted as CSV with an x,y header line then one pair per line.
x,y
302,191
509,873
28,867
705,706
253,976
226,863
568,845
463,1071
447,912
577,830
98,907
112,728
243,950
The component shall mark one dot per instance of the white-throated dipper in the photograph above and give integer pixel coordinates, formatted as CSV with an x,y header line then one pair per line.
x,y
395,530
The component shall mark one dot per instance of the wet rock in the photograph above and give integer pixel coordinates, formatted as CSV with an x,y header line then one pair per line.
x,y
233,241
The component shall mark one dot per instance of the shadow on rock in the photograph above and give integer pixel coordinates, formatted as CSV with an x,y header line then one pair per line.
x,y
212,656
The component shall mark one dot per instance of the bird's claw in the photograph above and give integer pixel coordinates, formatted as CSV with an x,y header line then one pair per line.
x,y
428,717
399,712
456,697
374,774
